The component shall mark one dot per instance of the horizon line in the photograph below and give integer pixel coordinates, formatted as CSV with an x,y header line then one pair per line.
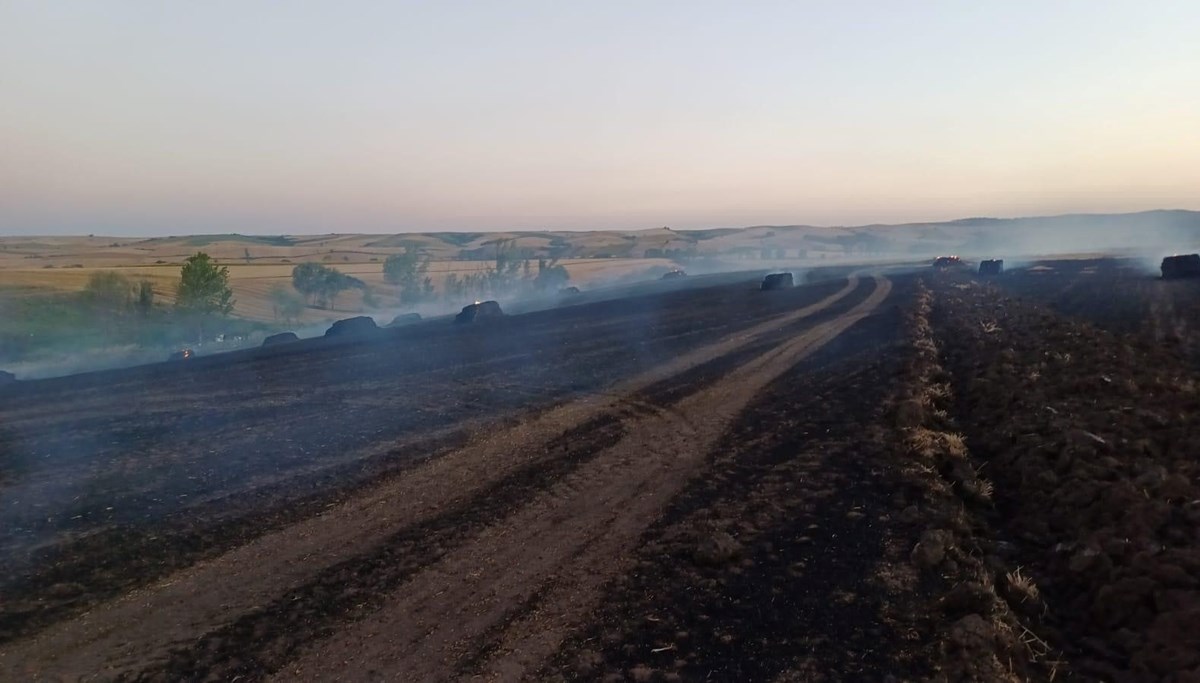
x,y
1077,214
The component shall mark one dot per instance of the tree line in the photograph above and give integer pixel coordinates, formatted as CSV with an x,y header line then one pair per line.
x,y
113,308
203,291
318,285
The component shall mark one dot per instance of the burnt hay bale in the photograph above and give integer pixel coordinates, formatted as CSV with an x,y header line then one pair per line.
x,y
479,311
360,326
991,267
405,319
281,338
778,281
1179,266
947,262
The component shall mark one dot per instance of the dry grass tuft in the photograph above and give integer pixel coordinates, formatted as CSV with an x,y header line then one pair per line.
x,y
923,442
1022,585
939,391
955,444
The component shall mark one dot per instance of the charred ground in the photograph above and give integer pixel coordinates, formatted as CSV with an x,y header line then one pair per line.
x,y
833,482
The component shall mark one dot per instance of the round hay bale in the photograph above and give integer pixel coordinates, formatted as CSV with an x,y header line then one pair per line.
x,y
405,319
281,338
991,267
479,311
360,326
778,281
1181,265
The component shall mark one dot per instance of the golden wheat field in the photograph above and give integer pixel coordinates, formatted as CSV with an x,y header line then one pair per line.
x,y
64,264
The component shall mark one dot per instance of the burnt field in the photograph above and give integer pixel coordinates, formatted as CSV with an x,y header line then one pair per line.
x,y
1073,453
922,475
1118,294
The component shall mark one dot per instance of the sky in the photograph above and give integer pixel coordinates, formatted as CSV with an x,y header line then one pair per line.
x,y
156,118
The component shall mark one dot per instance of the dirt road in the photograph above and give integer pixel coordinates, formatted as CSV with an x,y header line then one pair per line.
x,y
530,577
482,559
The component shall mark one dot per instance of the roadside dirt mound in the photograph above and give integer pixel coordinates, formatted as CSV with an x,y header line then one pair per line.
x,y
1091,440
360,326
281,338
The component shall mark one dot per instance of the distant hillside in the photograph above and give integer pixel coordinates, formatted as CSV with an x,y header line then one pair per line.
x,y
1149,230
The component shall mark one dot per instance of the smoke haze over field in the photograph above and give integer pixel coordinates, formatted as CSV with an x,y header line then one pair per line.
x,y
139,118
1152,231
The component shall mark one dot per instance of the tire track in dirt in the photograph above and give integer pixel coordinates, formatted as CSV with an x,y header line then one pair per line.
x,y
524,583
139,630
801,487
262,416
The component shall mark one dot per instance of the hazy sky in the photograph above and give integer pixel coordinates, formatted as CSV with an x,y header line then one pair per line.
x,y
173,117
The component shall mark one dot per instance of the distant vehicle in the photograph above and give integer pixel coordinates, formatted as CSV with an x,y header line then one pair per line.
x,y
281,338
359,326
672,274
991,267
479,311
1180,266
405,319
183,354
778,281
944,262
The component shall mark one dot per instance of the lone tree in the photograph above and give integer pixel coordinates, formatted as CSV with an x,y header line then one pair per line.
x,y
323,283
307,278
550,275
407,271
287,304
203,289
108,295
108,291
143,301
336,282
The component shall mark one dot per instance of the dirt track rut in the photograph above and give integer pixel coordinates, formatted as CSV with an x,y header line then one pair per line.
x,y
138,632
